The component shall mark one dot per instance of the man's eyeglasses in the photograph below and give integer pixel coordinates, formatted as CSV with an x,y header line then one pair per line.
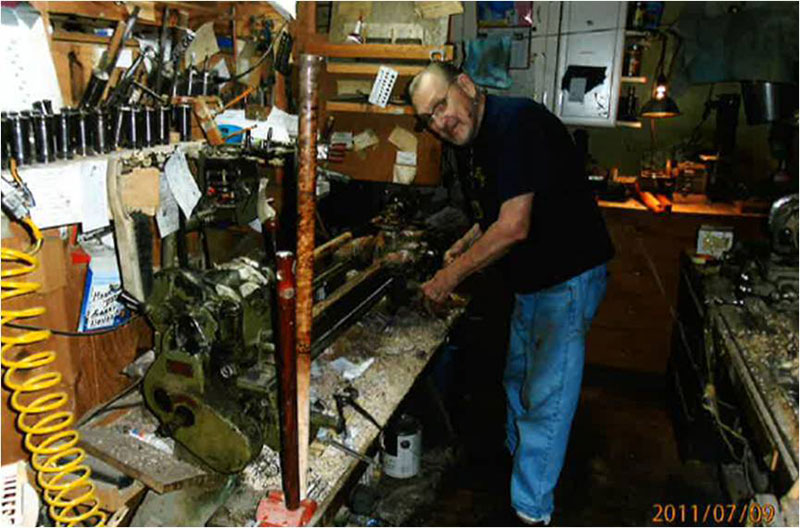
x,y
439,110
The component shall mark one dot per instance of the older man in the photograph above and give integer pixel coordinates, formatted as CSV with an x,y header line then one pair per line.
x,y
538,219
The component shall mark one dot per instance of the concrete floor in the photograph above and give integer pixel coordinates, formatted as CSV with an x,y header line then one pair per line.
x,y
622,460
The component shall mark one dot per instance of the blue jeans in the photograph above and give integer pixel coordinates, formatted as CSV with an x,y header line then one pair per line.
x,y
542,380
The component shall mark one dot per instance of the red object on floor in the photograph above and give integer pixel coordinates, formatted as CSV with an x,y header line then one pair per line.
x,y
272,511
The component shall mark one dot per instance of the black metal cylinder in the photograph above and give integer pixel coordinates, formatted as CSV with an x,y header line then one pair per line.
x,y
5,137
63,134
185,121
147,120
117,130
29,142
98,131
163,115
41,138
81,134
18,139
132,128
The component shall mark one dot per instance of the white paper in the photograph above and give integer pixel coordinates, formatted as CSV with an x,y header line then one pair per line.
x,y
58,193
28,71
181,182
287,8
406,158
345,138
125,58
283,125
255,224
221,68
167,216
350,370
94,195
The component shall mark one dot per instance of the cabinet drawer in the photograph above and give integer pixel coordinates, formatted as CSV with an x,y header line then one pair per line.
x,y
592,16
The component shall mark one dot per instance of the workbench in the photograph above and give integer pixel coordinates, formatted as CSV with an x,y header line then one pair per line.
x,y
742,352
398,344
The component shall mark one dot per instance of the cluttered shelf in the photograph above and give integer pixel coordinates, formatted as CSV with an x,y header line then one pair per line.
x,y
711,209
381,51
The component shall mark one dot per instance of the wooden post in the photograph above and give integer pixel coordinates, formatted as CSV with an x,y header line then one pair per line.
x,y
306,207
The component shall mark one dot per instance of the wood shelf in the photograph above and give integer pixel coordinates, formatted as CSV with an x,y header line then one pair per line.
x,y
366,108
371,68
629,124
634,80
86,38
636,33
378,51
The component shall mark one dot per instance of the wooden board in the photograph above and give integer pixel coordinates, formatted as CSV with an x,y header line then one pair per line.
x,y
156,469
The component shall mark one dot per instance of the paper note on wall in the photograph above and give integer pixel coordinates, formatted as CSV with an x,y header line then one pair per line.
x,y
181,183
28,71
403,139
167,216
95,194
58,193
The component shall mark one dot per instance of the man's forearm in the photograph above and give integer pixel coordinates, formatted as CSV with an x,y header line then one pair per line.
x,y
489,247
470,237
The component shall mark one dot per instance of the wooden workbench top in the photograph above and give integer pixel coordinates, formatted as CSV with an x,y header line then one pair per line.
x,y
710,209
400,346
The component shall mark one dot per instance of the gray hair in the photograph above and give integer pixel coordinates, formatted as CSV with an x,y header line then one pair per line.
x,y
446,70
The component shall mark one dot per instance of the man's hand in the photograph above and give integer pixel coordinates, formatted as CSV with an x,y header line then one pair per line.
x,y
438,289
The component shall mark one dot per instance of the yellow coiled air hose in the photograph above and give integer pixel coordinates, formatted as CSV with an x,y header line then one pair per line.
x,y
49,436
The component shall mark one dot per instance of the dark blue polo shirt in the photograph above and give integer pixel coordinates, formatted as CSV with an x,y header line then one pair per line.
x,y
522,148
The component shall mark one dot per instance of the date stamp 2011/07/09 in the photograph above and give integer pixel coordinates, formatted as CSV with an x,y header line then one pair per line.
x,y
741,514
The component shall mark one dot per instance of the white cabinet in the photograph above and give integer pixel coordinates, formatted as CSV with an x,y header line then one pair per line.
x,y
546,18
590,63
543,65
592,16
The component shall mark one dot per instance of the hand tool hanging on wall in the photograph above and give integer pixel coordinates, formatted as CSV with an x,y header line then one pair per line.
x,y
157,77
184,36
121,93
102,72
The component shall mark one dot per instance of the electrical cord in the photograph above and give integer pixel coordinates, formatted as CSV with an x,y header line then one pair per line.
x,y
258,62
43,416
67,333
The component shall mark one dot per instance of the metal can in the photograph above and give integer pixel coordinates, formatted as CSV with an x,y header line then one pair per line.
x,y
632,61
402,447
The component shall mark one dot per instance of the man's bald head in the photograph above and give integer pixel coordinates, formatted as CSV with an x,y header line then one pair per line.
x,y
447,101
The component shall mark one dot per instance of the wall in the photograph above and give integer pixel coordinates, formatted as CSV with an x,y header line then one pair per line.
x,y
625,147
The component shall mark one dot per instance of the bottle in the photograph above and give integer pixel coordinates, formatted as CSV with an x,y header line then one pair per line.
x,y
637,21
632,62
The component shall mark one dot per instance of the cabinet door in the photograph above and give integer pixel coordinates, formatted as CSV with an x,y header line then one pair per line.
x,y
544,62
592,16
546,18
580,101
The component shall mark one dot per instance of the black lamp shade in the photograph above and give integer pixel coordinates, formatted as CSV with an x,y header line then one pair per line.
x,y
659,108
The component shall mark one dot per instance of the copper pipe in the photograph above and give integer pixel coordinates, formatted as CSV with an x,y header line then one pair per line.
x,y
286,362
306,206
235,100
